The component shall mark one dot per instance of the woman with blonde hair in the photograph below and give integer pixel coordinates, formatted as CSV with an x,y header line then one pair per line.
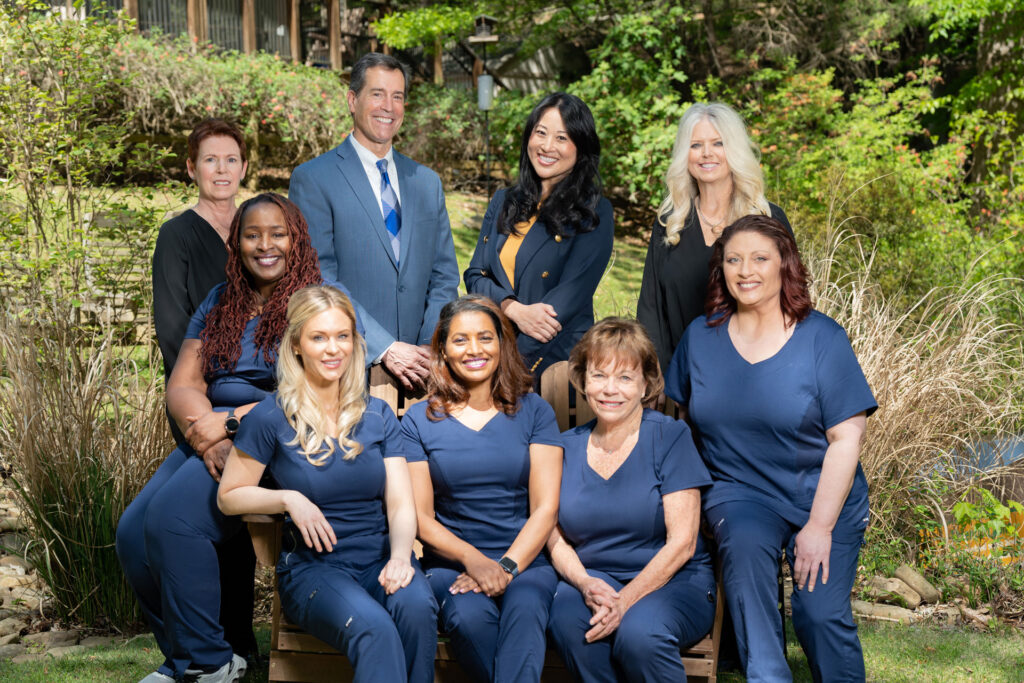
x,y
346,572
713,180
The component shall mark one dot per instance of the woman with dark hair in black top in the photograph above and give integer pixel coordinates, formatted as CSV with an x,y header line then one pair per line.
x,y
545,242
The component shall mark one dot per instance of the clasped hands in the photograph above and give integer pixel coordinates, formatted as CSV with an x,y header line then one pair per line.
x,y
607,606
482,575
207,437
409,363
536,320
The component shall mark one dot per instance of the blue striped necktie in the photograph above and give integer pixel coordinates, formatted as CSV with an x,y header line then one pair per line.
x,y
389,206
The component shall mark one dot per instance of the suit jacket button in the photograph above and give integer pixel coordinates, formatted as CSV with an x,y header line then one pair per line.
x,y
544,274
486,237
558,238
401,288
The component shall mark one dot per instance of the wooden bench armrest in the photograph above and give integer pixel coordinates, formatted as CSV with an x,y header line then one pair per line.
x,y
265,532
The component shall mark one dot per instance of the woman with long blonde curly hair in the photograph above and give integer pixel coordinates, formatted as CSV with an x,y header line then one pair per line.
x,y
714,179
346,572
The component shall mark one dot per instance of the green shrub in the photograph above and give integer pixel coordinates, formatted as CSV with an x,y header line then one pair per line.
x,y
444,130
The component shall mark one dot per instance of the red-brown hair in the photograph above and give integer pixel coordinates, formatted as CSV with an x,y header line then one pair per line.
x,y
510,380
795,298
208,128
222,337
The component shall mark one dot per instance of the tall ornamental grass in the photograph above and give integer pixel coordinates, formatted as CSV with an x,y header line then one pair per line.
x,y
83,428
947,374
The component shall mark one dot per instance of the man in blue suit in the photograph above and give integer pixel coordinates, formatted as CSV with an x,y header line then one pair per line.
x,y
379,223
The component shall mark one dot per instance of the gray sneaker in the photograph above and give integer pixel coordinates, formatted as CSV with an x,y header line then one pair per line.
x,y
229,673
157,677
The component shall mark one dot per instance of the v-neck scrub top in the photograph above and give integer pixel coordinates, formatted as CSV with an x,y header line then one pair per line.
x,y
350,493
481,478
617,525
760,427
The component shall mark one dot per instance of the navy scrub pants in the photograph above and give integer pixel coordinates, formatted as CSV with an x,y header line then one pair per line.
x,y
385,637
749,536
647,644
498,639
166,542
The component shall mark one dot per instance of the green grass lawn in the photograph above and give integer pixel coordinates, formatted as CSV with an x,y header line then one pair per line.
x,y
894,654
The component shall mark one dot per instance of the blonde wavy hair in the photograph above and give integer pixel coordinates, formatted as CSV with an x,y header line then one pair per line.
x,y
299,403
744,164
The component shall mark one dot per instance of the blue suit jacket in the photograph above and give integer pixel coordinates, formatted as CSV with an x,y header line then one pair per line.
x,y
563,272
403,300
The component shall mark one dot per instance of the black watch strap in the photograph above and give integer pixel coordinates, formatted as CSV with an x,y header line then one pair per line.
x,y
510,566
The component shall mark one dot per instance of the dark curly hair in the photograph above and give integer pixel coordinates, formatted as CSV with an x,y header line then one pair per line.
x,y
510,381
222,337
572,205
795,297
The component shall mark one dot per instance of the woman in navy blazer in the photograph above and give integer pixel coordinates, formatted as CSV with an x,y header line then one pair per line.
x,y
546,241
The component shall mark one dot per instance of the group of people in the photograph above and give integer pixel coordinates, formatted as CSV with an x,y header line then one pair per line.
x,y
604,540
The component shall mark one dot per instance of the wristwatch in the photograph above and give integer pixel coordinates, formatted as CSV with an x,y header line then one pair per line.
x,y
510,566
231,423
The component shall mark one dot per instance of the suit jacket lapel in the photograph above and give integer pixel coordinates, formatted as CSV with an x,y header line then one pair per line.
x,y
352,170
534,240
498,241
406,186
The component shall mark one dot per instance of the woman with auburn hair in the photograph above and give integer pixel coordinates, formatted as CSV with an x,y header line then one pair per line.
x,y
346,573
545,242
713,180
779,404
486,460
167,537
637,586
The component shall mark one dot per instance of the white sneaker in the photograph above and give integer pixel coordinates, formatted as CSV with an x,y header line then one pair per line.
x,y
157,677
229,673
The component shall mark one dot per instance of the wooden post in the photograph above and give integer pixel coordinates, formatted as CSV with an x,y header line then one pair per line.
x,y
438,60
295,31
131,8
196,17
334,33
248,26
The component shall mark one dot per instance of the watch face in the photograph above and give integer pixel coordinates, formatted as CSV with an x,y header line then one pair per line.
x,y
231,425
509,565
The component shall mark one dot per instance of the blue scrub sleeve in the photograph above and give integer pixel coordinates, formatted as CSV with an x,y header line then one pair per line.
x,y
257,435
545,425
677,463
198,321
843,390
677,377
411,443
392,446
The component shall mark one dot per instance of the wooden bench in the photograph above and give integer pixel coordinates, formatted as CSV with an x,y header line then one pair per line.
x,y
298,657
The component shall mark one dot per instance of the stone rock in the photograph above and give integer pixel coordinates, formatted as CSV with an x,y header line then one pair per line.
x,y
14,581
947,615
12,625
14,561
50,639
59,652
97,641
883,612
893,590
8,651
10,638
917,582
21,659
12,524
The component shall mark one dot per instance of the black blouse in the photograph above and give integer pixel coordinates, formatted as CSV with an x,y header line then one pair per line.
x,y
675,283
188,261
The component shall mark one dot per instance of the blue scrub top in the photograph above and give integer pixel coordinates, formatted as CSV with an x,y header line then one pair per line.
x,y
761,427
481,478
350,493
253,377
617,525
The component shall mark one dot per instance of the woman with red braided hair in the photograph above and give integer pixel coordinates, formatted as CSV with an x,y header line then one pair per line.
x,y
167,537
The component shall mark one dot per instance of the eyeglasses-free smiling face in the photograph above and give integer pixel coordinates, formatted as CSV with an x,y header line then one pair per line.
x,y
264,245
752,267
551,151
707,162
473,349
325,347
615,389
378,109
218,169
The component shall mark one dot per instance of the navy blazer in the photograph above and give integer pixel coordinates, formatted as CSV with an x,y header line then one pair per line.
x,y
403,299
561,271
